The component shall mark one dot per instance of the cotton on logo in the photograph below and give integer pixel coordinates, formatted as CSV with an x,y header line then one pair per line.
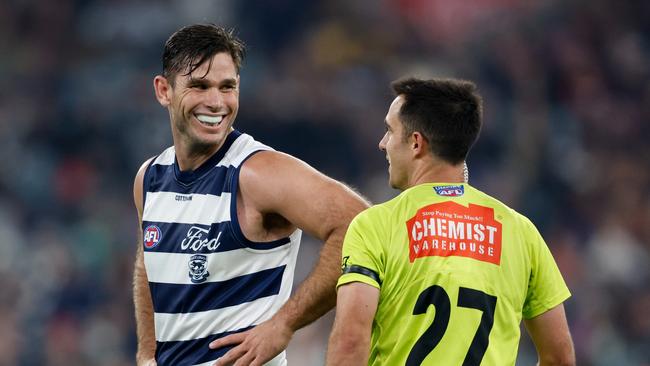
x,y
152,236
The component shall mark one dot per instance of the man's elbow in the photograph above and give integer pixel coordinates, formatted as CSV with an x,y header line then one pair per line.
x,y
349,347
559,359
352,344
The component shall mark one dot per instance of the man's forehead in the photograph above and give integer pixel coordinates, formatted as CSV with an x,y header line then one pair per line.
x,y
395,106
220,64
397,102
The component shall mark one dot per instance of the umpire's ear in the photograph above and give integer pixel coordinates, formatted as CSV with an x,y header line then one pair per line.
x,y
419,144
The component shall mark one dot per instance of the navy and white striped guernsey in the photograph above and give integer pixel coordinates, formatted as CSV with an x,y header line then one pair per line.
x,y
206,279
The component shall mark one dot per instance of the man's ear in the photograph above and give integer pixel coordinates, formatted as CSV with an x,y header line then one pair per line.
x,y
419,144
163,90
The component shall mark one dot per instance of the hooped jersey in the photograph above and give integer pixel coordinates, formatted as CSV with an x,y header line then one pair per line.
x,y
206,279
456,269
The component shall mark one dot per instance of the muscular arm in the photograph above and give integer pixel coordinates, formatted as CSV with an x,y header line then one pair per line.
x,y
550,334
141,294
276,183
349,343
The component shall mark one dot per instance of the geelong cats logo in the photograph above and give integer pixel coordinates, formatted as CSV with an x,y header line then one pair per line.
x,y
198,269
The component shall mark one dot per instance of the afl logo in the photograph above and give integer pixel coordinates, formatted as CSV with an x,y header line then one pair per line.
x,y
450,191
152,236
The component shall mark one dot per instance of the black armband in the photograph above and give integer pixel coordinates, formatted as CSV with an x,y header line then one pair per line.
x,y
362,270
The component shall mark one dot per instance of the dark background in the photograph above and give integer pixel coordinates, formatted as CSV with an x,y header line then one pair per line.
x,y
565,141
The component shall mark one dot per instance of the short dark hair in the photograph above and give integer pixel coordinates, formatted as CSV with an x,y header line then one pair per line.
x,y
189,47
447,112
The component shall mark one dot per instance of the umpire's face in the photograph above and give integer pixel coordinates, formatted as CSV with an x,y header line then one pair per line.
x,y
396,147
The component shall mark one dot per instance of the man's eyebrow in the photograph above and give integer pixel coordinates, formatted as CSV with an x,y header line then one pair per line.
x,y
228,81
196,81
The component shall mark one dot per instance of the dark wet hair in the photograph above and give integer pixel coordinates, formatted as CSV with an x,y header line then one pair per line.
x,y
447,112
189,47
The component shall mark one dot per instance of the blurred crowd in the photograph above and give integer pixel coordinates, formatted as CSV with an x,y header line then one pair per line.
x,y
566,87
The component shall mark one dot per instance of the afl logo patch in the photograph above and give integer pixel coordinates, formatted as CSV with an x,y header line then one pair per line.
x,y
152,236
450,191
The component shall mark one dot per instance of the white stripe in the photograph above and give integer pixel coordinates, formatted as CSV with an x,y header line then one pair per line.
x,y
166,157
240,150
279,360
222,266
205,209
243,146
188,326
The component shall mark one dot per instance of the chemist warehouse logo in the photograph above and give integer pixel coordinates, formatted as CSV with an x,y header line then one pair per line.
x,y
450,229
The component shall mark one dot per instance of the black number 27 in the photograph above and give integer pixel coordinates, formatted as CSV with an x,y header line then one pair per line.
x,y
467,298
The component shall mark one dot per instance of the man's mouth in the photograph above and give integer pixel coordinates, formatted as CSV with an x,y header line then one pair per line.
x,y
209,120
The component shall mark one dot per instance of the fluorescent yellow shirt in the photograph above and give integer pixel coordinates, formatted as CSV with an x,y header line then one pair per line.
x,y
456,270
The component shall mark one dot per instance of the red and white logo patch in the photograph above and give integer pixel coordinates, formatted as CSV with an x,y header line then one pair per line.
x,y
451,229
152,236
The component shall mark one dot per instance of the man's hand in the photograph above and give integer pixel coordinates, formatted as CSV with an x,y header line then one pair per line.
x,y
256,346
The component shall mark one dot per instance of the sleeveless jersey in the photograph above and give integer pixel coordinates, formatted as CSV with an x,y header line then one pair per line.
x,y
206,279
456,269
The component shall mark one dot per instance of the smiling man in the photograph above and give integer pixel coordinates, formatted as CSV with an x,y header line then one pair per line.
x,y
221,217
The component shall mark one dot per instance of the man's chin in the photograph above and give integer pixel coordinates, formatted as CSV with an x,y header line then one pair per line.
x,y
396,185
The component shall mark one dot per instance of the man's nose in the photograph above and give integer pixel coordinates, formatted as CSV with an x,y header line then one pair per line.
x,y
382,144
214,99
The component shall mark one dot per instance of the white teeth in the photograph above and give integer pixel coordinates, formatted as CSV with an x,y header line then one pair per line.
x,y
209,119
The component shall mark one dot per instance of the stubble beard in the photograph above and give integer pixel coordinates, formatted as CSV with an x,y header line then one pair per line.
x,y
191,141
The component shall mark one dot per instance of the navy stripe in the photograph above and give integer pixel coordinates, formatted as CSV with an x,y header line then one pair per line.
x,y
189,176
146,180
173,234
177,298
236,229
195,351
162,179
169,178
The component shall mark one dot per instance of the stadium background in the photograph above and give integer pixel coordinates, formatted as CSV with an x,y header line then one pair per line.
x,y
567,103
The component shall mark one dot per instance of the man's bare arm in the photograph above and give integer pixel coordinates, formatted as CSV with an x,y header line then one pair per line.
x,y
550,334
141,295
321,207
349,343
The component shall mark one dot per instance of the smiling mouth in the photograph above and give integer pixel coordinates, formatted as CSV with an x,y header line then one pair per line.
x,y
209,120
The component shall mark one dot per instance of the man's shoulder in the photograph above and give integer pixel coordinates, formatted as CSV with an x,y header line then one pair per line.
x,y
488,200
375,217
244,148
245,142
507,213
166,157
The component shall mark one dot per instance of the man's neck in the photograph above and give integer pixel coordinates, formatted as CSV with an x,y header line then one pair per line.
x,y
436,172
190,158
